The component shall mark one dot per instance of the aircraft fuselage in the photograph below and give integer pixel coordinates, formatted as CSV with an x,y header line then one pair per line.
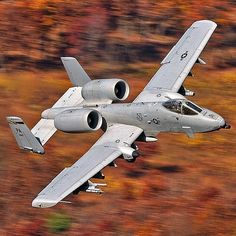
x,y
153,118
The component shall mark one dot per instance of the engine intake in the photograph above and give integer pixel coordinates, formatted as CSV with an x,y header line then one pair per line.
x,y
106,89
78,121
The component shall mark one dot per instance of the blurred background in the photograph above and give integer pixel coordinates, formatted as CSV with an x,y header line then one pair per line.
x,y
179,186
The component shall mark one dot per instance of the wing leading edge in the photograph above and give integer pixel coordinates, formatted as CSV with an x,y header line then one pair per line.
x,y
178,63
102,153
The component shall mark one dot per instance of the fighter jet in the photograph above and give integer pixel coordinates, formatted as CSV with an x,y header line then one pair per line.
x,y
89,105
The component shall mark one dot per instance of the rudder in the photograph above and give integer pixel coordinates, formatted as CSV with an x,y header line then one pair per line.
x,y
24,138
76,73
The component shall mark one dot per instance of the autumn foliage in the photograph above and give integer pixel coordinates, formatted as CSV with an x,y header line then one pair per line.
x,y
179,186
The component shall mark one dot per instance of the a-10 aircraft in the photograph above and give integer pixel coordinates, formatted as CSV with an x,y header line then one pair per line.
x,y
88,106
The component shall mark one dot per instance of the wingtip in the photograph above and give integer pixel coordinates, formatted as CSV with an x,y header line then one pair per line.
x,y
205,22
14,118
67,58
42,203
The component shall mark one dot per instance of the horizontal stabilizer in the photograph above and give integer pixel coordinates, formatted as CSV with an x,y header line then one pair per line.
x,y
45,128
76,73
24,138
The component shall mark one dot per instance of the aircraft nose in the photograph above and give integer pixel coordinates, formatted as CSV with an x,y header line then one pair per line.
x,y
217,121
223,124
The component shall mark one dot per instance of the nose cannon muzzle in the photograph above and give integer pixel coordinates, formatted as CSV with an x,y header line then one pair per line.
x,y
226,126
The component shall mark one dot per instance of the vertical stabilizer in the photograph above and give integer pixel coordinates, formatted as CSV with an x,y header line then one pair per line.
x,y
76,73
24,138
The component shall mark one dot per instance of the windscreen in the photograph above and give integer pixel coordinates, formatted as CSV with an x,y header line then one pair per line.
x,y
194,106
182,106
173,105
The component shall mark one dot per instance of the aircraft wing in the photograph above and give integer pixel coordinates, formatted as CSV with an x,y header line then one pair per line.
x,y
177,65
102,153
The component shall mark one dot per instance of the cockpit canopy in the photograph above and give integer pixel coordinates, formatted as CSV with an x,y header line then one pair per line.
x,y
182,106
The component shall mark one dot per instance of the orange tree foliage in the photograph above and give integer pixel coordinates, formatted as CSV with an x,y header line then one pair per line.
x,y
179,186
37,33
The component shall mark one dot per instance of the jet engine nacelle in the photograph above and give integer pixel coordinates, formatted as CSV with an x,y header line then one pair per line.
x,y
106,89
78,121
